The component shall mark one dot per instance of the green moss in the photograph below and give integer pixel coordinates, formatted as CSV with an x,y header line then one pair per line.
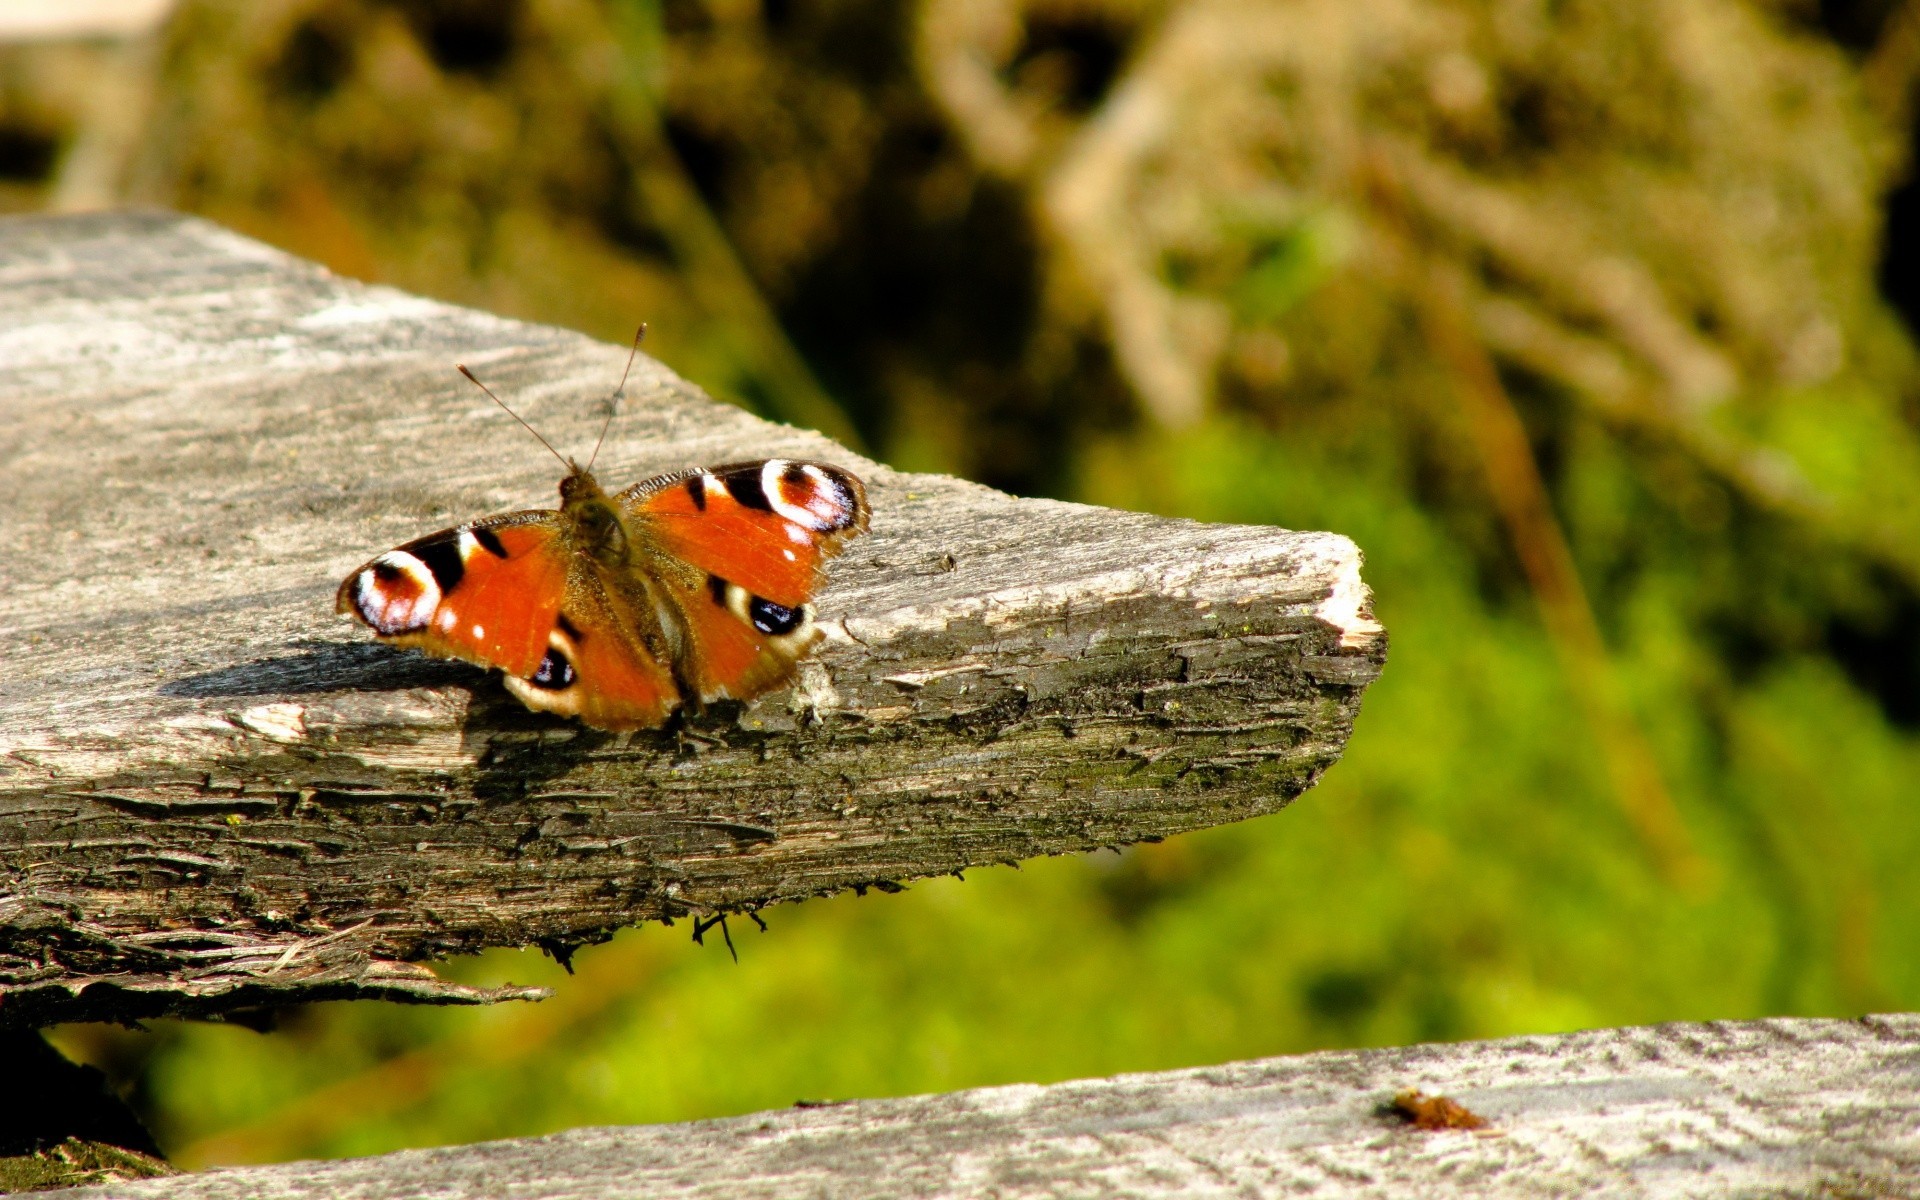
x,y
74,1163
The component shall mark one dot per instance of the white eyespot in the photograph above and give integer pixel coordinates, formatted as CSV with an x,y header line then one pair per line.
x,y
403,601
791,557
446,621
773,482
479,632
737,600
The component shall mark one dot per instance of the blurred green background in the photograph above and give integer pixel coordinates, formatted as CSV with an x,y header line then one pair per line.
x,y
1589,321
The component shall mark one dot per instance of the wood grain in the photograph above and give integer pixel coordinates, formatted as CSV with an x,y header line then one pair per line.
x,y
215,794
1777,1108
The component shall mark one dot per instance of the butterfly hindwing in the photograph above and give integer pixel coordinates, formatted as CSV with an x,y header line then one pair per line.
x,y
606,656
742,644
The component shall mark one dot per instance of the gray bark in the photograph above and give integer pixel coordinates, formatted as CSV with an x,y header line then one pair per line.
x,y
1778,1108
215,794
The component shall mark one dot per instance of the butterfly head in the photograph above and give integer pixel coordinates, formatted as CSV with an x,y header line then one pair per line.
x,y
578,486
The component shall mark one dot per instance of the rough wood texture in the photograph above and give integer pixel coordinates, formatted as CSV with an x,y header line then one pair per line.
x,y
215,794
1784,1108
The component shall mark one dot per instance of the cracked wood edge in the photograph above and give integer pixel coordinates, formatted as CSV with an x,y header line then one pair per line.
x,y
1813,1108
215,794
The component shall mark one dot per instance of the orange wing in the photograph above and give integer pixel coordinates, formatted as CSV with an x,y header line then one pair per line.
x,y
488,592
767,526
761,534
739,644
498,593
606,656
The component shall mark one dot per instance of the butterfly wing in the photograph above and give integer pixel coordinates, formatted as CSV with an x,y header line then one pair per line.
x,y
505,593
487,592
606,655
740,551
767,526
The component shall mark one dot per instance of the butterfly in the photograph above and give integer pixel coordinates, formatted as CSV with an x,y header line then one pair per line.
x,y
619,608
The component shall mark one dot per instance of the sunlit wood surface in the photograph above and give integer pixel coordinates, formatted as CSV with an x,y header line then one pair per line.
x,y
1730,1109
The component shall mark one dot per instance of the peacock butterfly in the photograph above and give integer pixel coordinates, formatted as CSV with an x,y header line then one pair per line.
x,y
619,608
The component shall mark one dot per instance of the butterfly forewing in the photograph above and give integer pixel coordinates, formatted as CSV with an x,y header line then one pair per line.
x,y
757,535
767,526
486,592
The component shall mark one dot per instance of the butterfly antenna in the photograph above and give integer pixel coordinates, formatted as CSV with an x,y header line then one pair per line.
x,y
475,381
619,394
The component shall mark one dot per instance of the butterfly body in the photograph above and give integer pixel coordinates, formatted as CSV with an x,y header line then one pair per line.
x,y
619,608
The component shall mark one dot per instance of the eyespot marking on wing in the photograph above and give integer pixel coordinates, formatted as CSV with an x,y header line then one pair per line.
x,y
811,496
446,558
396,593
556,672
773,619
776,621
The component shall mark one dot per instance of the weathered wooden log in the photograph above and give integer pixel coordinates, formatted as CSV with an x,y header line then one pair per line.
x,y
1729,1109
215,794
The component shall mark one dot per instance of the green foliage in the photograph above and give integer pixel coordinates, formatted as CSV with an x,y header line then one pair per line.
x,y
1287,262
